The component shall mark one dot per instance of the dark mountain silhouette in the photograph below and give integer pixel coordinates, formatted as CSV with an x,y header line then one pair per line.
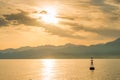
x,y
107,50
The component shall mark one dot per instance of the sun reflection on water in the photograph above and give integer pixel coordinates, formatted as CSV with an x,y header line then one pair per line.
x,y
48,69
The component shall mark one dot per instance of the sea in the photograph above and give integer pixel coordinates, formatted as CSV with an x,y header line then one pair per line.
x,y
59,69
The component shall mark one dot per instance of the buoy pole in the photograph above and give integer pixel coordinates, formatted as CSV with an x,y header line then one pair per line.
x,y
92,65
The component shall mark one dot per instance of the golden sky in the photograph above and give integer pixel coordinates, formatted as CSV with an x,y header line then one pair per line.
x,y
58,22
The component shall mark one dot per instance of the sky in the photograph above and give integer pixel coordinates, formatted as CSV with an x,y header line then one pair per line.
x,y
58,22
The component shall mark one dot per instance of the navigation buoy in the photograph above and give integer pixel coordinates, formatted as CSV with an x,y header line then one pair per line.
x,y
92,65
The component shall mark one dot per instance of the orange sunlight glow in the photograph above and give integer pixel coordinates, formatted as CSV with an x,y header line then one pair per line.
x,y
50,16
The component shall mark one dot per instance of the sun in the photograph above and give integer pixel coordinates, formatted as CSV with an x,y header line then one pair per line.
x,y
49,15
49,19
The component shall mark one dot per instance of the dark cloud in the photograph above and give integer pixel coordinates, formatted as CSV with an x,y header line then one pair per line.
x,y
72,24
43,12
3,22
115,17
107,32
116,1
104,7
67,18
22,18
97,2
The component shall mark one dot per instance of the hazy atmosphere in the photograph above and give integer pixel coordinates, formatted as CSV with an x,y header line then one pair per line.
x,y
58,22
59,39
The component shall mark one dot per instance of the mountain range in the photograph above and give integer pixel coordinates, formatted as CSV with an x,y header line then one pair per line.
x,y
107,50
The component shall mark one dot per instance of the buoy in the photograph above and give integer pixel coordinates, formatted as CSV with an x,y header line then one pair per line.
x,y
92,65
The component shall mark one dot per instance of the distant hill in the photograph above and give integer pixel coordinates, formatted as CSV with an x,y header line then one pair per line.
x,y
107,50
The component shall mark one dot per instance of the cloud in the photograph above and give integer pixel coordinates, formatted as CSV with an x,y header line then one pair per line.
x,y
103,6
3,22
75,16
22,18
66,18
97,2
116,1
106,32
43,12
103,19
72,24
54,30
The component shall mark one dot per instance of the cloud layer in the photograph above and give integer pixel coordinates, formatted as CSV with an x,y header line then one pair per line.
x,y
78,19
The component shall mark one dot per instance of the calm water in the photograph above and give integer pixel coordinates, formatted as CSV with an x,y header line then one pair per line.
x,y
59,69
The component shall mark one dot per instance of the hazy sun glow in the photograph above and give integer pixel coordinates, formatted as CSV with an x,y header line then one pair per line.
x,y
50,15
